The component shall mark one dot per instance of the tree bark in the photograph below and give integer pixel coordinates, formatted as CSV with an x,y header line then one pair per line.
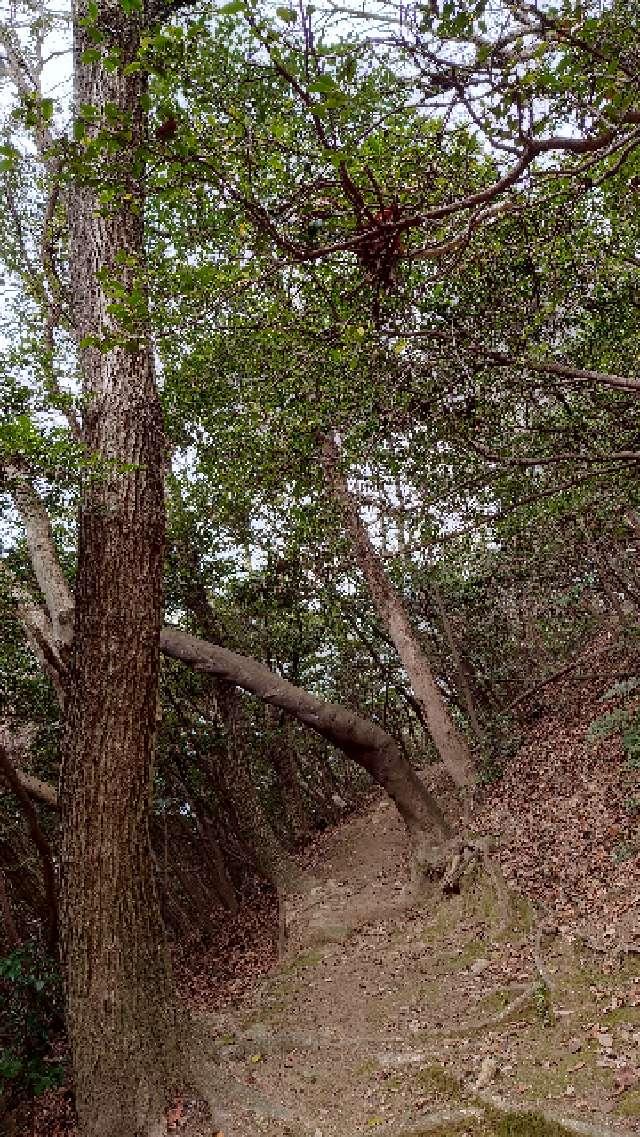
x,y
46,566
361,740
462,680
9,927
120,999
449,742
40,841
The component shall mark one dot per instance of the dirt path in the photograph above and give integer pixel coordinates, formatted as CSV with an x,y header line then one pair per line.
x,y
398,1021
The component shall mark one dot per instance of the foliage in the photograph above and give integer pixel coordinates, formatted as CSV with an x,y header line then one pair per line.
x,y
336,240
30,1018
623,720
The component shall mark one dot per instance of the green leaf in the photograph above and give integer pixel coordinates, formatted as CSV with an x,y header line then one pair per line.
x,y
287,14
91,55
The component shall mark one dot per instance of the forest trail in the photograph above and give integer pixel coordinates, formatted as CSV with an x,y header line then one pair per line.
x,y
396,1020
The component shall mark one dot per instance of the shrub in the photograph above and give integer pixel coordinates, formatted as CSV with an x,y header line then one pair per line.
x,y
30,1017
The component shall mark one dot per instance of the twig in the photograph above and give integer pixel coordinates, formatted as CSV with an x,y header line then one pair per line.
x,y
39,840
564,670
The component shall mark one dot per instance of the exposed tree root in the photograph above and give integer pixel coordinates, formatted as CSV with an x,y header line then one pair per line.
x,y
500,1017
461,855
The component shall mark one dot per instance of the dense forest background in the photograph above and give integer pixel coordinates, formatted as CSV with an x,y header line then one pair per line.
x,y
319,454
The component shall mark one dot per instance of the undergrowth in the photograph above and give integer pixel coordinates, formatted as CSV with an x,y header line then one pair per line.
x,y
30,1019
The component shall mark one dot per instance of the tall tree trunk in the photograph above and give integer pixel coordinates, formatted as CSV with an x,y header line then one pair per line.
x,y
120,997
449,742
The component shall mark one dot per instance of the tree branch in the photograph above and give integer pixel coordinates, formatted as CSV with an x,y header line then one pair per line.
x,y
40,841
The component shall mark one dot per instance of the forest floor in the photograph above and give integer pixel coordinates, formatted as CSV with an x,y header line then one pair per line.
x,y
511,1009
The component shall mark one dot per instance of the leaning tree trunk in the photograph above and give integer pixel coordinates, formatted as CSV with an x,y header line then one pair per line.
x,y
449,742
360,739
120,1003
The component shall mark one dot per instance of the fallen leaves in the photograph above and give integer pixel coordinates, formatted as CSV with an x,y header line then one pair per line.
x,y
626,1079
561,813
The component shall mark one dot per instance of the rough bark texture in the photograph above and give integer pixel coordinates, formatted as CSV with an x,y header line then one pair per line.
x,y
46,566
450,744
121,1012
361,740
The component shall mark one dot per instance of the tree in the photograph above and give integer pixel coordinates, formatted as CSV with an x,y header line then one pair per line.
x,y
122,1017
355,270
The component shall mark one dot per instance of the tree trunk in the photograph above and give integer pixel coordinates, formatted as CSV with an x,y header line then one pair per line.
x,y
450,744
253,826
47,570
361,740
10,933
282,756
120,998
464,687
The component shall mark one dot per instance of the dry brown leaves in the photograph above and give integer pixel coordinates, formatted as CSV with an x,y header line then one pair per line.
x,y
569,841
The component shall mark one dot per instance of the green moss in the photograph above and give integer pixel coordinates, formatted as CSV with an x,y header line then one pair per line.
x,y
305,959
436,1080
522,914
630,1104
622,1015
491,1004
496,1123
545,1081
543,1005
472,950
509,1124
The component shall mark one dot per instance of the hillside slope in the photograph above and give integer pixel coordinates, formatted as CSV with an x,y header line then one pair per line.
x,y
397,1020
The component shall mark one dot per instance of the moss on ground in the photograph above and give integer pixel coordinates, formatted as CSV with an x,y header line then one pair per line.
x,y
495,1123
512,1124
438,1081
309,958
630,1104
